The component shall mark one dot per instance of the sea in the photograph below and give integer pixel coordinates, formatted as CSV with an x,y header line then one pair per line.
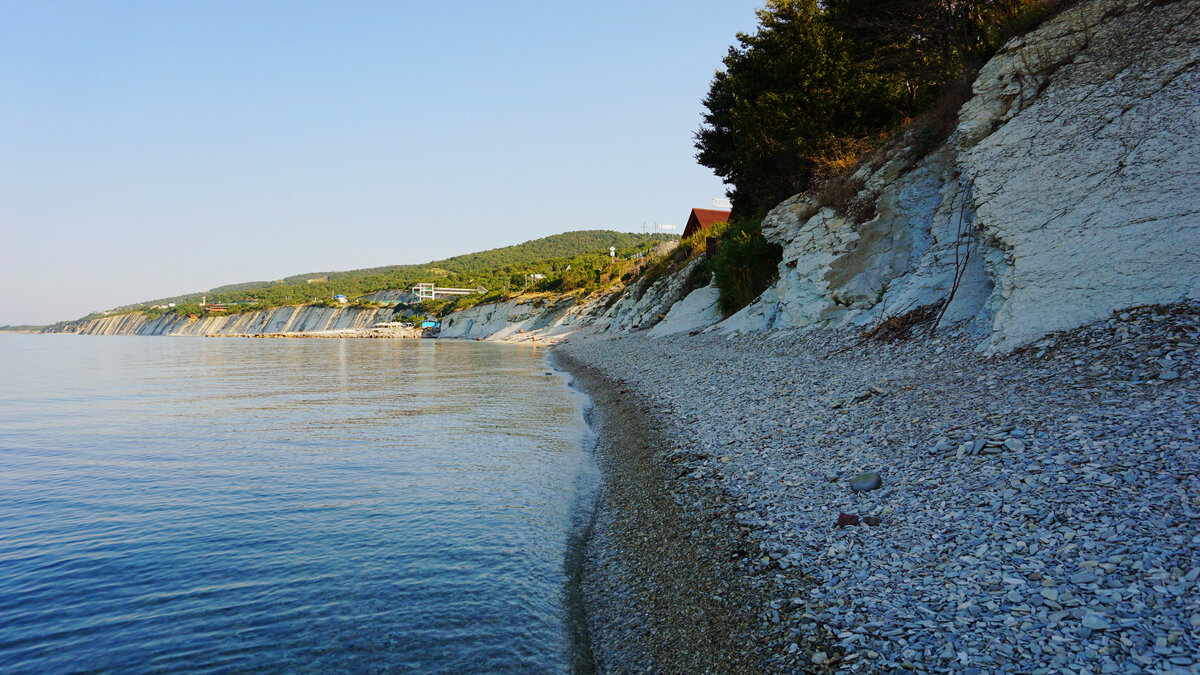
x,y
195,505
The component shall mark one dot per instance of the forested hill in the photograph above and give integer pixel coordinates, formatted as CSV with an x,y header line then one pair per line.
x,y
493,269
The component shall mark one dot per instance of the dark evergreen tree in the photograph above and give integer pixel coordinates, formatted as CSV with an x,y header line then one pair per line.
x,y
925,45
818,79
789,99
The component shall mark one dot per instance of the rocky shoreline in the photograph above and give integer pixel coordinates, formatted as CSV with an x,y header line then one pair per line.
x,y
1038,511
352,333
659,582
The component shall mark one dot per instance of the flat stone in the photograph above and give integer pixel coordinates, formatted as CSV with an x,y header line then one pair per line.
x,y
1083,577
864,482
1094,621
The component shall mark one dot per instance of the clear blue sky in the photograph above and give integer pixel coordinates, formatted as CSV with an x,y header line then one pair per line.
x,y
154,148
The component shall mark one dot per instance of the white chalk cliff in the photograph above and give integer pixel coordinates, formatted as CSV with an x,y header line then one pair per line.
x,y
297,319
643,305
1072,179
696,311
518,320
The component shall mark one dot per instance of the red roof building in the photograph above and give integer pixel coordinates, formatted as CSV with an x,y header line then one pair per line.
x,y
702,219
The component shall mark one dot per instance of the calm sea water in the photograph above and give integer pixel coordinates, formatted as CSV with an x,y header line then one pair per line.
x,y
197,505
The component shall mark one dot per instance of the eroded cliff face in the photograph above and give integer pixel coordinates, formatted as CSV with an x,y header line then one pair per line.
x,y
517,320
641,306
299,319
1068,190
1091,192
645,303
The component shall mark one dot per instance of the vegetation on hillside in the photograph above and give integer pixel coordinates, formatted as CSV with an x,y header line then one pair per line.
x,y
732,254
742,263
568,261
745,264
580,276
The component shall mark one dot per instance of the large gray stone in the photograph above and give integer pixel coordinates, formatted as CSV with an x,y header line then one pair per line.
x,y
863,482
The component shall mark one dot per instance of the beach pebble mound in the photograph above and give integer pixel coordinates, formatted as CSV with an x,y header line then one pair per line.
x,y
1037,511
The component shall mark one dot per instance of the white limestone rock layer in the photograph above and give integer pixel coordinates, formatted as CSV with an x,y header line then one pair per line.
x,y
1092,190
1068,190
295,319
697,311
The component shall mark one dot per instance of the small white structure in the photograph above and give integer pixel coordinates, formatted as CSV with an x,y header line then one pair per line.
x,y
430,292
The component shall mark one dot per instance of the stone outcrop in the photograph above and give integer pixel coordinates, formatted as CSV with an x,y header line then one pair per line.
x,y
1091,192
640,306
646,303
1068,190
697,311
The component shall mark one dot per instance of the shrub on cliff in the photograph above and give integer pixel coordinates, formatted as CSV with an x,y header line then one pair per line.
x,y
745,264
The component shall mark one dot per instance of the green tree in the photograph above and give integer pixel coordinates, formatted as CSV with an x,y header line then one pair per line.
x,y
925,45
818,81
788,103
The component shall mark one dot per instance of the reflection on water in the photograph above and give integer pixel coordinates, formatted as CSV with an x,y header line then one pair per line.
x,y
173,504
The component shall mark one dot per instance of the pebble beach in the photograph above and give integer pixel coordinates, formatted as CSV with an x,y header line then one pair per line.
x,y
808,502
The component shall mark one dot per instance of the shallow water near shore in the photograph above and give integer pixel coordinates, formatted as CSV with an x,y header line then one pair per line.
x,y
180,504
